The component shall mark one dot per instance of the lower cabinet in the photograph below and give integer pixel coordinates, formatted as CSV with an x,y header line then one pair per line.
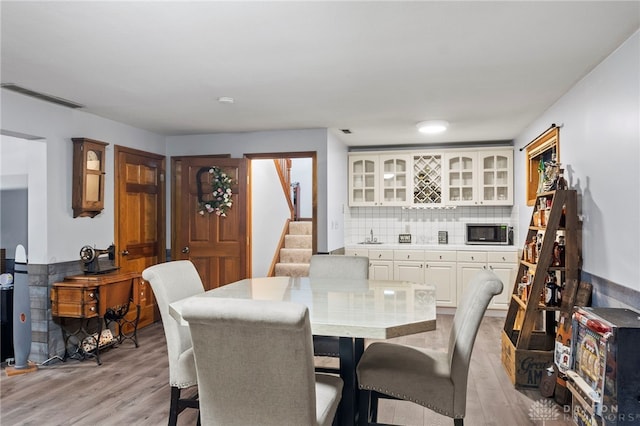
x,y
449,271
381,264
440,271
504,264
408,265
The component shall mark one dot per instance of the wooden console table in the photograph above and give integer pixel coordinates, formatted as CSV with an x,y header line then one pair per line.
x,y
105,298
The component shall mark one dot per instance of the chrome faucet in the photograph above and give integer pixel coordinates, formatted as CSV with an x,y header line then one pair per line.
x,y
371,239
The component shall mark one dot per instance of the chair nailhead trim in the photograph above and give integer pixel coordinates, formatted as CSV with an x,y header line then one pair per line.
x,y
406,398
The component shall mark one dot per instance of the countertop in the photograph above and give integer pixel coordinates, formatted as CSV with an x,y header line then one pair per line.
x,y
433,247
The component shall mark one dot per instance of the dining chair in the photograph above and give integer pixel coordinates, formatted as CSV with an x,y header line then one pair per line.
x,y
431,378
335,266
254,360
173,281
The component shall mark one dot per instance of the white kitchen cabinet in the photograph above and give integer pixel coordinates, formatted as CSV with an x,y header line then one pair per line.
x,y
356,252
363,180
379,180
481,177
495,176
380,264
505,265
408,265
427,179
502,263
440,271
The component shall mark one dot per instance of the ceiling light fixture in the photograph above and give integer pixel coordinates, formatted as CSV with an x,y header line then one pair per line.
x,y
226,100
432,126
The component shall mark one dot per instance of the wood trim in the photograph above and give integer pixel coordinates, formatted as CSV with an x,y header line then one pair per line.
x,y
285,186
276,255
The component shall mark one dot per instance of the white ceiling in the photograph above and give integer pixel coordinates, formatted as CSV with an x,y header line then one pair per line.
x,y
376,68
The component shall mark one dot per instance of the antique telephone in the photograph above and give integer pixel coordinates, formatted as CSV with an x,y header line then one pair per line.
x,y
91,258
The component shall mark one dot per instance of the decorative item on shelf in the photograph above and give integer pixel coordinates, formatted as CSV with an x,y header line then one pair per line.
x,y
220,197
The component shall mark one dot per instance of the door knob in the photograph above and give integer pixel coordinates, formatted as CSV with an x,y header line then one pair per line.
x,y
125,252
185,250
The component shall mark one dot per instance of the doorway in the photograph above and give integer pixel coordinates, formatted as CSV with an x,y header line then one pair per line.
x,y
269,213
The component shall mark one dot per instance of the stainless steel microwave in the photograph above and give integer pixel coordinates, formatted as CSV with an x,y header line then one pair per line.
x,y
489,233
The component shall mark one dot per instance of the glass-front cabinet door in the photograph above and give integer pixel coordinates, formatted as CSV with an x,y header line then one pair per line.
x,y
496,177
363,180
461,178
394,180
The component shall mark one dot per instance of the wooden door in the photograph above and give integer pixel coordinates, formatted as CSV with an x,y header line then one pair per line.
x,y
140,220
217,246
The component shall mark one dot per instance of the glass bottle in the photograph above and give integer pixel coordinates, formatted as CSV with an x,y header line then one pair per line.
x,y
562,183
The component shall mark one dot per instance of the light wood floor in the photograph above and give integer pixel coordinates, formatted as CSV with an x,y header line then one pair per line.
x,y
131,388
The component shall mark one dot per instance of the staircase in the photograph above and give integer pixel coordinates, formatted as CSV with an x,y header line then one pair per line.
x,y
296,254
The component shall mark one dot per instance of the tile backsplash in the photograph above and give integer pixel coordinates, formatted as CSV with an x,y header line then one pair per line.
x,y
422,224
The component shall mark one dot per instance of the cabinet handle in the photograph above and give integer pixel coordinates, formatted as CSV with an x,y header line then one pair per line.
x,y
92,309
379,256
91,295
421,266
408,256
473,258
440,257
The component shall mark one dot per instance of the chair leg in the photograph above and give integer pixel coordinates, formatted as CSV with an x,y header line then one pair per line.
x,y
458,422
174,408
364,406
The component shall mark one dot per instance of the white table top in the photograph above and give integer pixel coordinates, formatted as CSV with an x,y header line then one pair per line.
x,y
348,308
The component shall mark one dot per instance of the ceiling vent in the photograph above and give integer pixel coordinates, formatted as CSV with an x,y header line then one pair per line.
x,y
346,131
41,96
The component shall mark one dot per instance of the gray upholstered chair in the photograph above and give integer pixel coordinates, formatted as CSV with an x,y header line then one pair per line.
x,y
335,266
434,379
254,360
170,282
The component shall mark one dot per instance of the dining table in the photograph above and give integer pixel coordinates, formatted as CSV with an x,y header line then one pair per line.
x,y
351,309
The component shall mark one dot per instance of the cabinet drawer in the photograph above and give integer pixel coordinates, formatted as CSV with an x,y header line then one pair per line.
x,y
356,252
472,256
440,256
408,255
74,302
502,257
380,254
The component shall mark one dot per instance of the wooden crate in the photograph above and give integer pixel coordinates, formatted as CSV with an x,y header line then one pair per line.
x,y
525,367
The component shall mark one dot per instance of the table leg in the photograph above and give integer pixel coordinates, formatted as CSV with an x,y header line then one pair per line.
x,y
350,353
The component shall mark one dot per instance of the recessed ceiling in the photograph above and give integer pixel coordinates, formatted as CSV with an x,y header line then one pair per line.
x,y
375,68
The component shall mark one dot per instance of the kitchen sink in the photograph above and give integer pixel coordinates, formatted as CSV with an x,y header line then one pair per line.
x,y
370,242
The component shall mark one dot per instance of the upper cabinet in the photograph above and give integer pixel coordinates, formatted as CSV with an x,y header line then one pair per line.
x,y
427,179
379,180
481,177
451,177
496,177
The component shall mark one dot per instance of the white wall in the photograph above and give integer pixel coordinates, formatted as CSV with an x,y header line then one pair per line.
x,y
276,141
13,193
600,149
337,192
54,235
302,172
270,212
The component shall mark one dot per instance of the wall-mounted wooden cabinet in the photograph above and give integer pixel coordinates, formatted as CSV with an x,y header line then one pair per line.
x,y
88,177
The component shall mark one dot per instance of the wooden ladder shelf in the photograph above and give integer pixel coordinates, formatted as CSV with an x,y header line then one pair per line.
x,y
530,328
